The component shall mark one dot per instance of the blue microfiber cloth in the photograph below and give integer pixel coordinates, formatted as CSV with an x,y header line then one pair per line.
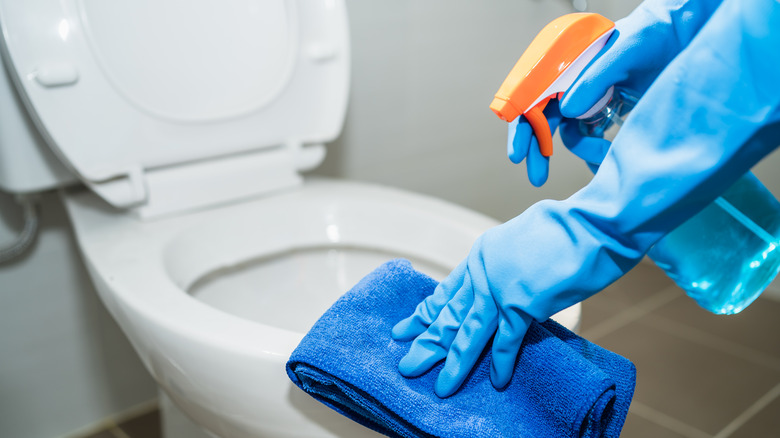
x,y
563,385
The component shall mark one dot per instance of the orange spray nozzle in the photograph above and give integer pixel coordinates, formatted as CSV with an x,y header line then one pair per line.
x,y
549,66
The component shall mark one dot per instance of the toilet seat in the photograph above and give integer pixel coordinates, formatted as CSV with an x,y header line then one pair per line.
x,y
174,254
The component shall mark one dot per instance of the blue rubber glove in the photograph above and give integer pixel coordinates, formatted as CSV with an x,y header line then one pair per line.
x,y
711,115
523,145
641,47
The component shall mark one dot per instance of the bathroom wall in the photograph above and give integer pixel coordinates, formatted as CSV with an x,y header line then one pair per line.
x,y
64,363
423,71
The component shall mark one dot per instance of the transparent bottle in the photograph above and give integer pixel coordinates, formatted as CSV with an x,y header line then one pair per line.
x,y
727,254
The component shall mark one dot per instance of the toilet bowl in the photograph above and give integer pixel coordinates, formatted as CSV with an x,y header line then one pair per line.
x,y
204,241
214,302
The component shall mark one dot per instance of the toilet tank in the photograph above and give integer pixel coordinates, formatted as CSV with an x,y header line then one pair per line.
x,y
137,98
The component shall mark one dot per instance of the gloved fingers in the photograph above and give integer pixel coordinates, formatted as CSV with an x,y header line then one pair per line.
x,y
590,149
430,308
519,136
512,326
604,71
475,332
538,165
472,338
431,346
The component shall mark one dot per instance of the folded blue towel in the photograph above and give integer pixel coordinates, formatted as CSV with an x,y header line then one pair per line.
x,y
563,385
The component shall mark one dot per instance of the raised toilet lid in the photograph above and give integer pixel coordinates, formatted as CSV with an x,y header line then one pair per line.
x,y
127,91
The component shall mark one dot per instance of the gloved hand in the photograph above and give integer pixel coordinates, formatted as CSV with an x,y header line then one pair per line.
x,y
710,116
642,45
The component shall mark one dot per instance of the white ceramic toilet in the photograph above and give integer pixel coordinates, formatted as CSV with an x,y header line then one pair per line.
x,y
185,126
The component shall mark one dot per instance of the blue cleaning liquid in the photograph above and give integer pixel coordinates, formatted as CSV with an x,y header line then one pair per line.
x,y
726,255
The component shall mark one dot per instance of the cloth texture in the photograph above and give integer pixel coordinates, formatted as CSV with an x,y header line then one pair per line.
x,y
562,386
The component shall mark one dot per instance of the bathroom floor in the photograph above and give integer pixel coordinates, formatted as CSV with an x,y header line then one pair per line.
x,y
144,425
698,375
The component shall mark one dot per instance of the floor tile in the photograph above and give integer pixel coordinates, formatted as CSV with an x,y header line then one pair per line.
x,y
144,426
102,434
638,427
756,327
699,386
639,284
766,423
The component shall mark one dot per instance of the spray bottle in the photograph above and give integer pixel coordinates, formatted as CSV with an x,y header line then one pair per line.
x,y
724,256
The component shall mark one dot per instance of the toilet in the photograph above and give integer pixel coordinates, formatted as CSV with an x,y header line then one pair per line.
x,y
178,132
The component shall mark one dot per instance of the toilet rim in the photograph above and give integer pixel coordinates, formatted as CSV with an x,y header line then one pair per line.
x,y
170,306
177,311
184,317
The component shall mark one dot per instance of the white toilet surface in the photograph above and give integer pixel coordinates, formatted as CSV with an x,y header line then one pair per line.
x,y
215,301
315,276
278,260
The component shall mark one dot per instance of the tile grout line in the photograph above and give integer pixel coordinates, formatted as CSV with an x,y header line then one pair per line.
x,y
137,411
632,313
110,422
750,412
118,432
701,337
671,423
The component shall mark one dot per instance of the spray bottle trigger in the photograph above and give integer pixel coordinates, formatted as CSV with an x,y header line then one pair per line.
x,y
541,127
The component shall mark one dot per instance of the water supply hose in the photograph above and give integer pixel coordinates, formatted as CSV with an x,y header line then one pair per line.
x,y
28,234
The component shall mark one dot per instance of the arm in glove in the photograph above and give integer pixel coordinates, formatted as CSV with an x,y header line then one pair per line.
x,y
643,44
708,118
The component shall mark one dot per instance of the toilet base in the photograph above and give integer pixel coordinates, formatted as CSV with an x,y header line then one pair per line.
x,y
175,424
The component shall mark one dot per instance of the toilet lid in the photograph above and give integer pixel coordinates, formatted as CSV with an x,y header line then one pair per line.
x,y
122,88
